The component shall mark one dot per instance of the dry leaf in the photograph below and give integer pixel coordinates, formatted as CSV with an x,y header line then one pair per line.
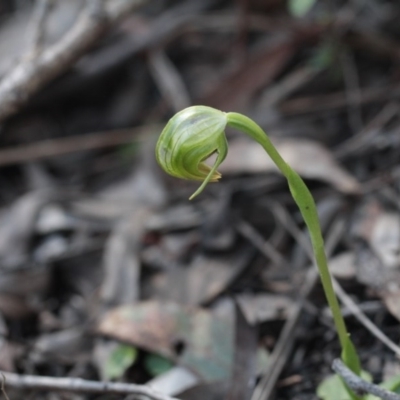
x,y
121,260
206,277
385,239
378,264
264,307
392,302
381,229
343,265
199,340
309,158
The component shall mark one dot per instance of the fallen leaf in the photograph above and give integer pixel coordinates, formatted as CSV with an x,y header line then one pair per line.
x,y
378,262
194,337
67,346
17,226
207,276
385,239
259,308
392,302
121,263
309,158
343,266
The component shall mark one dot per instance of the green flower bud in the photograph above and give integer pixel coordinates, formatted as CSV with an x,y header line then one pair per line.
x,y
189,138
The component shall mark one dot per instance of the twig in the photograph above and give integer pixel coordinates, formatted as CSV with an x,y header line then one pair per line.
x,y
363,138
97,7
360,386
168,80
30,75
274,94
264,246
243,371
40,13
56,147
3,390
343,297
352,90
326,102
78,385
160,30
285,344
286,340
358,313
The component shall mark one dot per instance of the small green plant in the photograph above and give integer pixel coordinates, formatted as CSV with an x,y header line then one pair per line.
x,y
157,365
120,359
197,132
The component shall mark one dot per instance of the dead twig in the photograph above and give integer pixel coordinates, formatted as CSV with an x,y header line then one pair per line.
x,y
3,390
160,31
40,13
293,81
246,340
359,386
78,385
352,90
283,348
359,314
32,74
344,298
56,147
338,100
168,80
362,139
287,337
98,7
264,246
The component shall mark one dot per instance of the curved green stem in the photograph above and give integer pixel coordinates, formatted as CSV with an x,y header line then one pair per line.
x,y
308,209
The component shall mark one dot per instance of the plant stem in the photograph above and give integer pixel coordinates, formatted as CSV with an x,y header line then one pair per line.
x,y
306,204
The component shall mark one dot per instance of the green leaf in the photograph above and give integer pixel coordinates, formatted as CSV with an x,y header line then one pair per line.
x,y
333,388
205,340
351,360
350,357
391,384
299,8
119,361
157,365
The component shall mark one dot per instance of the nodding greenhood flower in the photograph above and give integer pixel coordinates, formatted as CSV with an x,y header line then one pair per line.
x,y
190,137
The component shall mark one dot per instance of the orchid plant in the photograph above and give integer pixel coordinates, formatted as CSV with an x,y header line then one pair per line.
x,y
197,132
